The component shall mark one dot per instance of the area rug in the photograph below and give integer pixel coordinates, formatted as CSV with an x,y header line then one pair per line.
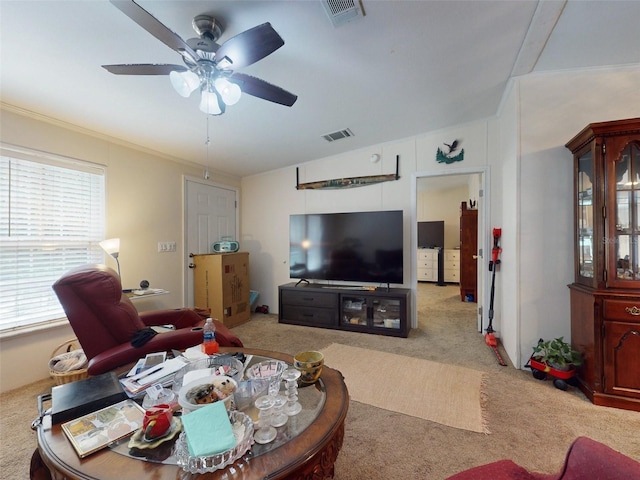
x,y
445,394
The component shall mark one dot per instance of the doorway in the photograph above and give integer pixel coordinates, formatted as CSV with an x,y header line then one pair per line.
x,y
430,190
210,214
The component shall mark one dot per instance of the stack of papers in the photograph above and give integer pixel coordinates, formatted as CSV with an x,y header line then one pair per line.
x,y
140,382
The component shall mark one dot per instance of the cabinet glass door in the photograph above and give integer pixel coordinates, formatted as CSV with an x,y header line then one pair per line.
x,y
386,313
584,216
354,310
624,247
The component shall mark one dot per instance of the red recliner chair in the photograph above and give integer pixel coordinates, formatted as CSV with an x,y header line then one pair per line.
x,y
105,320
587,459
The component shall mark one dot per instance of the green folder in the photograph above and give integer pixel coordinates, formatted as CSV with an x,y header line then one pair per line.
x,y
208,430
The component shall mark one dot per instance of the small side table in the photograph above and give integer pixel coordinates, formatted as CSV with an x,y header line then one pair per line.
x,y
149,292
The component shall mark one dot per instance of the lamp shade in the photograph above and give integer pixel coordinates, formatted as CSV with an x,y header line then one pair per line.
x,y
210,103
111,246
184,82
230,92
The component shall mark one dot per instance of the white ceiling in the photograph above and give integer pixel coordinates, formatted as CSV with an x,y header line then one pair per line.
x,y
405,68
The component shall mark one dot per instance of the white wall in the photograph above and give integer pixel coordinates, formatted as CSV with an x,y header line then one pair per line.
x,y
144,202
443,205
530,194
268,199
505,215
553,108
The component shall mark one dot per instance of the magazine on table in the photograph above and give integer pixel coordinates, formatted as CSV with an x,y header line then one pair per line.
x,y
97,430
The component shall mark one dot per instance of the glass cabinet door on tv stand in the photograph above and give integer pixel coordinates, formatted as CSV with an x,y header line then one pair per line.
x,y
354,310
371,312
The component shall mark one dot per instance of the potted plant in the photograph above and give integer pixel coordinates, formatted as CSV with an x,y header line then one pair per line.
x,y
557,354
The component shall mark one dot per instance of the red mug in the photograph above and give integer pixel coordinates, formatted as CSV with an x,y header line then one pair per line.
x,y
157,421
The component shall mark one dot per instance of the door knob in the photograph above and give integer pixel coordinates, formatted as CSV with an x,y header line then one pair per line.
x,y
475,257
192,265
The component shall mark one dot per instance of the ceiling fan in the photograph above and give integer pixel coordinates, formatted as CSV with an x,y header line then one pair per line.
x,y
208,65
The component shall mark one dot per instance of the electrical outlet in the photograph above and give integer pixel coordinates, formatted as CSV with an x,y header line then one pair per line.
x,y
166,247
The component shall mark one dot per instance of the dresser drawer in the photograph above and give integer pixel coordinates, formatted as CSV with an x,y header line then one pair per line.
x,y
627,310
315,317
309,298
452,256
428,254
452,276
427,275
427,264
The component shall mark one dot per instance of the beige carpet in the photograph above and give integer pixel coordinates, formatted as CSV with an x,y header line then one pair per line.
x,y
445,394
532,422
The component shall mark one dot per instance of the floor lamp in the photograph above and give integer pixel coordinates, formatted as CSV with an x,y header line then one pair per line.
x,y
112,247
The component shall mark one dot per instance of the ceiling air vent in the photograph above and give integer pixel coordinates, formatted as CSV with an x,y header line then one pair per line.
x,y
342,11
332,137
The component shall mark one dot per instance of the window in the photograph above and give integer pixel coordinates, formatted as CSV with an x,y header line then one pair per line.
x,y
52,217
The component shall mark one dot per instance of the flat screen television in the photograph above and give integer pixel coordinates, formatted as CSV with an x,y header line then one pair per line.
x,y
350,247
431,234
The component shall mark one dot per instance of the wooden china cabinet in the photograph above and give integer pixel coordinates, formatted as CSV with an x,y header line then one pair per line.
x,y
605,296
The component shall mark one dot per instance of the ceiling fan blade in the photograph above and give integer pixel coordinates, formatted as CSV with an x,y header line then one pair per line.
x,y
250,46
261,89
143,69
156,28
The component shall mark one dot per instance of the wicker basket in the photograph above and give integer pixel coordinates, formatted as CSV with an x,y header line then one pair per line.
x,y
71,376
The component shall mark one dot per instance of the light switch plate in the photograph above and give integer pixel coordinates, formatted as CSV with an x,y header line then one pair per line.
x,y
166,247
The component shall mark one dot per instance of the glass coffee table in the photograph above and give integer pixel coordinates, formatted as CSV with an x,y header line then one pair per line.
x,y
306,446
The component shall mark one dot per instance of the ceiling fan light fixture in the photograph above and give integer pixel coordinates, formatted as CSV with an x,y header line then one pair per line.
x,y
184,82
230,92
224,62
207,61
210,102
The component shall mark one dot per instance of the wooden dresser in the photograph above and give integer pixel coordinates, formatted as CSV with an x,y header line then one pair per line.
x,y
428,265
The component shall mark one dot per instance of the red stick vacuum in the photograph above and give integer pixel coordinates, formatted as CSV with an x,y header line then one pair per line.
x,y
490,338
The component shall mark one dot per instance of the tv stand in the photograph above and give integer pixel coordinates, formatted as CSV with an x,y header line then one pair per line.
x,y
382,311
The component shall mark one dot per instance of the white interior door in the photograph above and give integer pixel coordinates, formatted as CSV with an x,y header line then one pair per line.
x,y
211,213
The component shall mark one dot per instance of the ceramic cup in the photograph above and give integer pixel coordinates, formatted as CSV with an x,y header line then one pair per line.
x,y
310,365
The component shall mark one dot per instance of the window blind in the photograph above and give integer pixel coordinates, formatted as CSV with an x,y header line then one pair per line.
x,y
52,216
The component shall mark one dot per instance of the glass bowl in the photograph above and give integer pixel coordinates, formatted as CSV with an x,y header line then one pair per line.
x,y
220,386
243,430
268,369
231,366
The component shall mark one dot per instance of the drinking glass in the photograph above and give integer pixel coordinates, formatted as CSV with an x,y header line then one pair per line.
x,y
271,369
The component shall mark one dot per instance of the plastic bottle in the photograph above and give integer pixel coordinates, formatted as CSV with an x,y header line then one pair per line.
x,y
209,344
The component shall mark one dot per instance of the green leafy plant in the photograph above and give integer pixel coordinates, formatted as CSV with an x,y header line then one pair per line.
x,y
556,353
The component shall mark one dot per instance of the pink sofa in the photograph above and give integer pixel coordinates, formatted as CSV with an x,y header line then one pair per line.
x,y
585,460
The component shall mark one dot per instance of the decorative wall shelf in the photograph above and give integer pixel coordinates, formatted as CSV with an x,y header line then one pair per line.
x,y
350,181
